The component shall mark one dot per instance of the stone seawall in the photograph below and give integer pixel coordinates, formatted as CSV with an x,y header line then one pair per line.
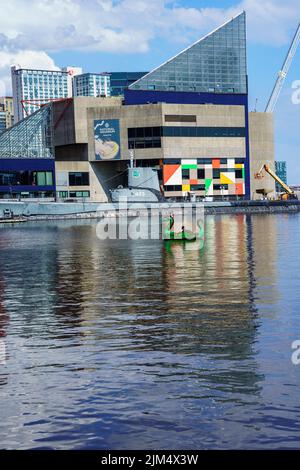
x,y
253,209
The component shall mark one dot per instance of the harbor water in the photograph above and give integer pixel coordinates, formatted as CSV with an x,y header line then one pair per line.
x,y
139,344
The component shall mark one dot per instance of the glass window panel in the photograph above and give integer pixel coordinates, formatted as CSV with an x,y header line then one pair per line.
x,y
49,178
41,178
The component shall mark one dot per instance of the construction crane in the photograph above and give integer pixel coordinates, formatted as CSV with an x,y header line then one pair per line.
x,y
288,192
283,73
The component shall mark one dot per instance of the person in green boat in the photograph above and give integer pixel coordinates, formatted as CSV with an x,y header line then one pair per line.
x,y
170,234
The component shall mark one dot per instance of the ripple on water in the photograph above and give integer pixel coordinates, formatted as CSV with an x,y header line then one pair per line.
x,y
127,344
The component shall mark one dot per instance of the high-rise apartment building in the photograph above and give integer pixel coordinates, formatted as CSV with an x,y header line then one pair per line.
x,y
32,88
2,120
91,84
104,84
281,171
6,113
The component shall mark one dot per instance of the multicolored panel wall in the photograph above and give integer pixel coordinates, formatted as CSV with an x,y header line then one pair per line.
x,y
205,177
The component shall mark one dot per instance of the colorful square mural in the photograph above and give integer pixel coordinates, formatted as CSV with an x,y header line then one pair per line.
x,y
205,177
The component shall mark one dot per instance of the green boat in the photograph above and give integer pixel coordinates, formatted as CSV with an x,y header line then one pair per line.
x,y
183,236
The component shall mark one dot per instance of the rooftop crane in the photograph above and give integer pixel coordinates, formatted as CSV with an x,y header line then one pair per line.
x,y
283,73
289,193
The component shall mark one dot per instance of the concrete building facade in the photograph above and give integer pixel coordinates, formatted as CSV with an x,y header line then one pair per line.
x,y
199,148
262,151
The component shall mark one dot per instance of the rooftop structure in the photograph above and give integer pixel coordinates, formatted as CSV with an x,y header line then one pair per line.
x,y
29,138
214,64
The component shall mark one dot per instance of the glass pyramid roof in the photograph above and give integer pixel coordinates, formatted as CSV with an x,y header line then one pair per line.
x,y
215,64
30,138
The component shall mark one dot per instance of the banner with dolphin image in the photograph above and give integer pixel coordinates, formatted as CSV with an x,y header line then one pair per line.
x,y
107,139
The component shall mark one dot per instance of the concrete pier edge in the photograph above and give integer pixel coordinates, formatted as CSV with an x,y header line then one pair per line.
x,y
92,210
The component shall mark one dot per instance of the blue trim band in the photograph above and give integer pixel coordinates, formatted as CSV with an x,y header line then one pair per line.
x,y
23,164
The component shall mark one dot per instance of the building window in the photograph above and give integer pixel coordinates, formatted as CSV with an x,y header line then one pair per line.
x,y
149,137
220,187
186,174
178,131
172,161
197,187
26,178
144,137
62,194
180,118
79,179
173,188
79,194
43,178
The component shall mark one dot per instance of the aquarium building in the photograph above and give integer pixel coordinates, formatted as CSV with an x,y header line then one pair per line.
x,y
188,118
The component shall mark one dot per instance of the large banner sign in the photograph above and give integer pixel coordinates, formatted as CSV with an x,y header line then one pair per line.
x,y
107,139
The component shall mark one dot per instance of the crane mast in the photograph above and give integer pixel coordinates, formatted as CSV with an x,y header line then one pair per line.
x,y
283,73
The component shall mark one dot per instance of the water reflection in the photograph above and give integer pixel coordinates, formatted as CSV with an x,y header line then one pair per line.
x,y
135,343
4,321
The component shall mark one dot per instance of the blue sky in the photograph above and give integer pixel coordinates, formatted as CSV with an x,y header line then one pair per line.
x,y
116,35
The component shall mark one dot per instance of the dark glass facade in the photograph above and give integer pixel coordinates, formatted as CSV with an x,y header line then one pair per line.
x,y
214,64
120,81
26,178
79,179
150,137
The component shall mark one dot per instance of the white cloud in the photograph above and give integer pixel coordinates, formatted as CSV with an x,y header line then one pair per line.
x,y
30,31
128,25
30,59
271,21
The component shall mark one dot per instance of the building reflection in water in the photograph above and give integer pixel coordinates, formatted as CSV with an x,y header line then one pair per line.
x,y
73,274
198,302
146,295
4,321
264,242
